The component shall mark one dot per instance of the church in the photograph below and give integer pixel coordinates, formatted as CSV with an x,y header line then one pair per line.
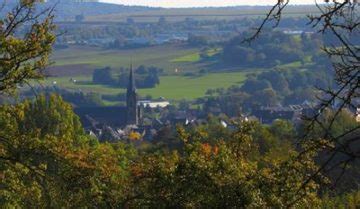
x,y
114,116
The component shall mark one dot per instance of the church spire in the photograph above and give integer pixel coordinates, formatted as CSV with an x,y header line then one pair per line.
x,y
131,85
131,100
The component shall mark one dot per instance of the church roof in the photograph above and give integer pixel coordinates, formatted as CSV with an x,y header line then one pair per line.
x,y
111,116
115,116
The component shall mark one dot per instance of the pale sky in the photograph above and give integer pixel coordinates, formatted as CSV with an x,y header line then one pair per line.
x,y
201,3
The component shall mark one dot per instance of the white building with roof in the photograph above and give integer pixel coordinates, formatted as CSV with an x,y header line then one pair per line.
x,y
153,104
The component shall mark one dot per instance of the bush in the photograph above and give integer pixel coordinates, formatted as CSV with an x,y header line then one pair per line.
x,y
104,76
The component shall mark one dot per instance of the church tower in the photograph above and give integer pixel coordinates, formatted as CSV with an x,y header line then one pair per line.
x,y
132,117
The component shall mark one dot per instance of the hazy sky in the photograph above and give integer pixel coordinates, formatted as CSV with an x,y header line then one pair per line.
x,y
201,3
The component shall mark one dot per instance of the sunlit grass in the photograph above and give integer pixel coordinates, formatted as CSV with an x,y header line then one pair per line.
x,y
181,87
171,87
195,57
159,56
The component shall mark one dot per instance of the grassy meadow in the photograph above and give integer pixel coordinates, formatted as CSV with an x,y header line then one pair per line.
x,y
78,63
194,57
166,57
171,87
181,87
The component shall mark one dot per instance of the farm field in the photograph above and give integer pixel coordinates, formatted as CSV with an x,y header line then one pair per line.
x,y
168,57
78,63
181,87
171,87
196,57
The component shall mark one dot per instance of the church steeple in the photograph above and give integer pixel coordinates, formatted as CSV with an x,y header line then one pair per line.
x,y
131,100
131,85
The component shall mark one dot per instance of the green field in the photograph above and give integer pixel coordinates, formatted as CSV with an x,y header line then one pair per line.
x,y
77,63
171,87
181,87
168,57
195,57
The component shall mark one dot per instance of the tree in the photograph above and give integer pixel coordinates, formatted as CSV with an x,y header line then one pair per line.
x,y
300,95
266,97
253,85
130,20
146,77
162,21
103,76
31,136
49,161
46,160
120,42
197,40
220,173
277,80
79,18
26,38
265,50
184,105
340,20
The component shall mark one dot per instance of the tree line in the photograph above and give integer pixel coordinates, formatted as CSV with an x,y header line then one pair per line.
x,y
271,49
145,77
269,89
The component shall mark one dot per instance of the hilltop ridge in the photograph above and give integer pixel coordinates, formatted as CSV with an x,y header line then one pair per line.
x,y
66,10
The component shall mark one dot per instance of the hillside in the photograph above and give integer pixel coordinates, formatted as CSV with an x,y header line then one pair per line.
x,y
209,13
98,11
67,10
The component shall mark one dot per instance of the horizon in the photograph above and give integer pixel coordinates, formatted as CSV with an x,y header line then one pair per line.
x,y
200,3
